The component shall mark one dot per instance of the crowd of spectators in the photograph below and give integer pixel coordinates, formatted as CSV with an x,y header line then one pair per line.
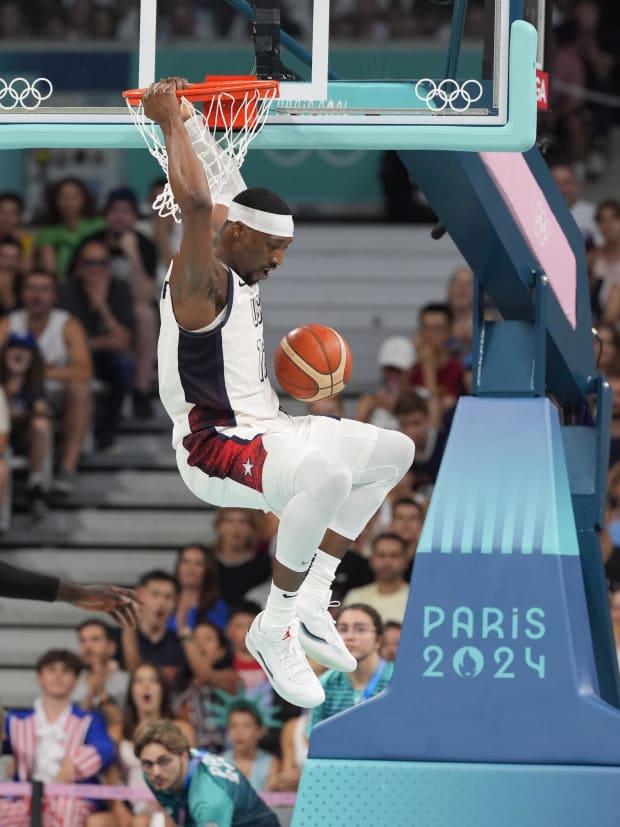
x,y
193,19
78,328
186,661
583,30
585,83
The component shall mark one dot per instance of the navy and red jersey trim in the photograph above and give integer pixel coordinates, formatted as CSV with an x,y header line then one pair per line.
x,y
200,358
204,417
226,457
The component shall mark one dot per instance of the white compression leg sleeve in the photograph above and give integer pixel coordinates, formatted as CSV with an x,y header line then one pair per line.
x,y
390,458
321,485
389,461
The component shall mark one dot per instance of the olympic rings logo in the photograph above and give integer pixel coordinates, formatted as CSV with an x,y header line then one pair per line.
x,y
542,223
448,93
24,93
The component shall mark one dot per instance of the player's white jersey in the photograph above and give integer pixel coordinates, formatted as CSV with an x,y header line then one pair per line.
x,y
217,376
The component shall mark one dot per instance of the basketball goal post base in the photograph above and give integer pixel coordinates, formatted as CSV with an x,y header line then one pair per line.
x,y
493,717
348,793
516,135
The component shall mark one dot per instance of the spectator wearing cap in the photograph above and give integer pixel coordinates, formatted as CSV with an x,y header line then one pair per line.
x,y
68,369
22,377
395,359
102,303
134,260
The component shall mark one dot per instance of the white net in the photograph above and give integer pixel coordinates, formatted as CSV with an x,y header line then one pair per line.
x,y
220,135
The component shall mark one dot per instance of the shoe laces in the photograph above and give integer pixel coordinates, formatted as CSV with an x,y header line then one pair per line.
x,y
327,603
320,599
290,653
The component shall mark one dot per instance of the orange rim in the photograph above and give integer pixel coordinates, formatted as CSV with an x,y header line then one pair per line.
x,y
206,91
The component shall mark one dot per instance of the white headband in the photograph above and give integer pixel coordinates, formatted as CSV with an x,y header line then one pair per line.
x,y
265,222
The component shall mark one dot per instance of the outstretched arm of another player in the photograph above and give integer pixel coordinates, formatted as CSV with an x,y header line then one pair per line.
x,y
198,285
119,603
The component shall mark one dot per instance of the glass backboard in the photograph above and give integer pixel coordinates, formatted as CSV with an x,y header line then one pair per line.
x,y
354,75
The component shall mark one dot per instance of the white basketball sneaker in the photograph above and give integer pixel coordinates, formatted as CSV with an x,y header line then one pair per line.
x,y
285,664
318,636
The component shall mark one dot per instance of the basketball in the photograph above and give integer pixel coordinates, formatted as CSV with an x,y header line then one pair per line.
x,y
312,362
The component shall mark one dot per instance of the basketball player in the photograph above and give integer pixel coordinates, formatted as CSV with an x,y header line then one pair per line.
x,y
323,477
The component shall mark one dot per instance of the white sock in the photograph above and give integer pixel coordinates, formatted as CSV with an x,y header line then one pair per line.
x,y
280,608
321,575
35,478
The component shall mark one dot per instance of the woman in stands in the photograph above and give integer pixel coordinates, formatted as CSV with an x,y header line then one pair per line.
x,y
361,629
70,218
147,700
21,377
196,692
197,574
243,561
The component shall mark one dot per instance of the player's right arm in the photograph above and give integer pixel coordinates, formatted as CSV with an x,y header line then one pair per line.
x,y
198,283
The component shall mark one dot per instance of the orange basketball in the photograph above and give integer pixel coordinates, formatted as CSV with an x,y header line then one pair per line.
x,y
313,362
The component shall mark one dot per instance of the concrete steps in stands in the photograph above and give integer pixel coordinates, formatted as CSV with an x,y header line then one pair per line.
x,y
23,649
18,687
129,489
120,565
92,527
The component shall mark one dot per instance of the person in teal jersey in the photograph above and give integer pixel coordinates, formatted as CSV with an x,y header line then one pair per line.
x,y
361,629
196,788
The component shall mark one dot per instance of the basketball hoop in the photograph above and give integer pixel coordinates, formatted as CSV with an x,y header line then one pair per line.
x,y
234,109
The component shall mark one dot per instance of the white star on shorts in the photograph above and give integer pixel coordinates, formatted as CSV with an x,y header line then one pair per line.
x,y
247,467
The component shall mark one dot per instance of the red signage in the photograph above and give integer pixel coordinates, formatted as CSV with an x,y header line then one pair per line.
x,y
542,90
